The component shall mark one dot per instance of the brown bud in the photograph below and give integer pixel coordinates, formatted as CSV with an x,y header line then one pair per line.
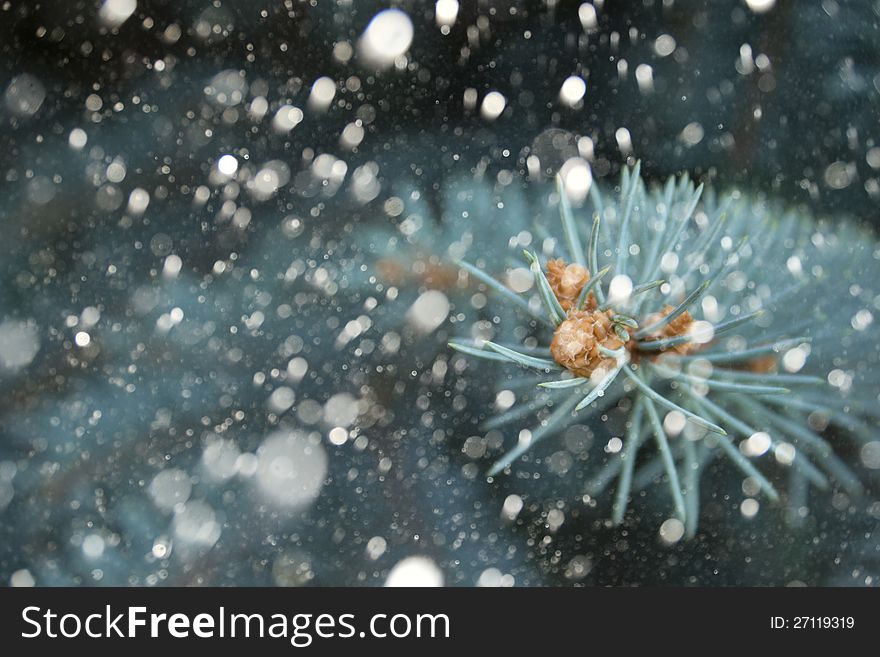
x,y
576,342
762,365
679,326
567,281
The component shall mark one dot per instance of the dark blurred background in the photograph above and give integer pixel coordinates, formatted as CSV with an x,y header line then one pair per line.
x,y
162,313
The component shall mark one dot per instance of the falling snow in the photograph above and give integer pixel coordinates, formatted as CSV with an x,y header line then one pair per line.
x,y
232,262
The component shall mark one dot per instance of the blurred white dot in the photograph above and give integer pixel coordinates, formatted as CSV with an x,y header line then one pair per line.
x,y
794,359
840,379
170,488
469,98
664,45
160,548
671,531
281,399
376,547
322,94
116,171
274,175
220,459
756,445
429,311
93,546
116,12
493,105
445,12
22,579
338,436
41,190
870,455
77,138
513,504
692,134
82,339
520,280
746,63
674,423
862,320
504,400
620,289
760,6
587,15
297,368
749,507
196,523
138,201
415,571
573,89
247,465
342,51
341,410
624,141
227,165
19,343
89,316
171,268
291,469
668,262
645,78
387,37
352,135
94,102
839,175
577,178
555,518
24,95
701,332
287,118
490,578
751,486
586,148
579,566
785,453
328,167
710,307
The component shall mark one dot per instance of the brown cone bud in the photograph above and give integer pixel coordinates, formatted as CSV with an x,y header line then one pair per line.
x,y
567,281
576,342
679,326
